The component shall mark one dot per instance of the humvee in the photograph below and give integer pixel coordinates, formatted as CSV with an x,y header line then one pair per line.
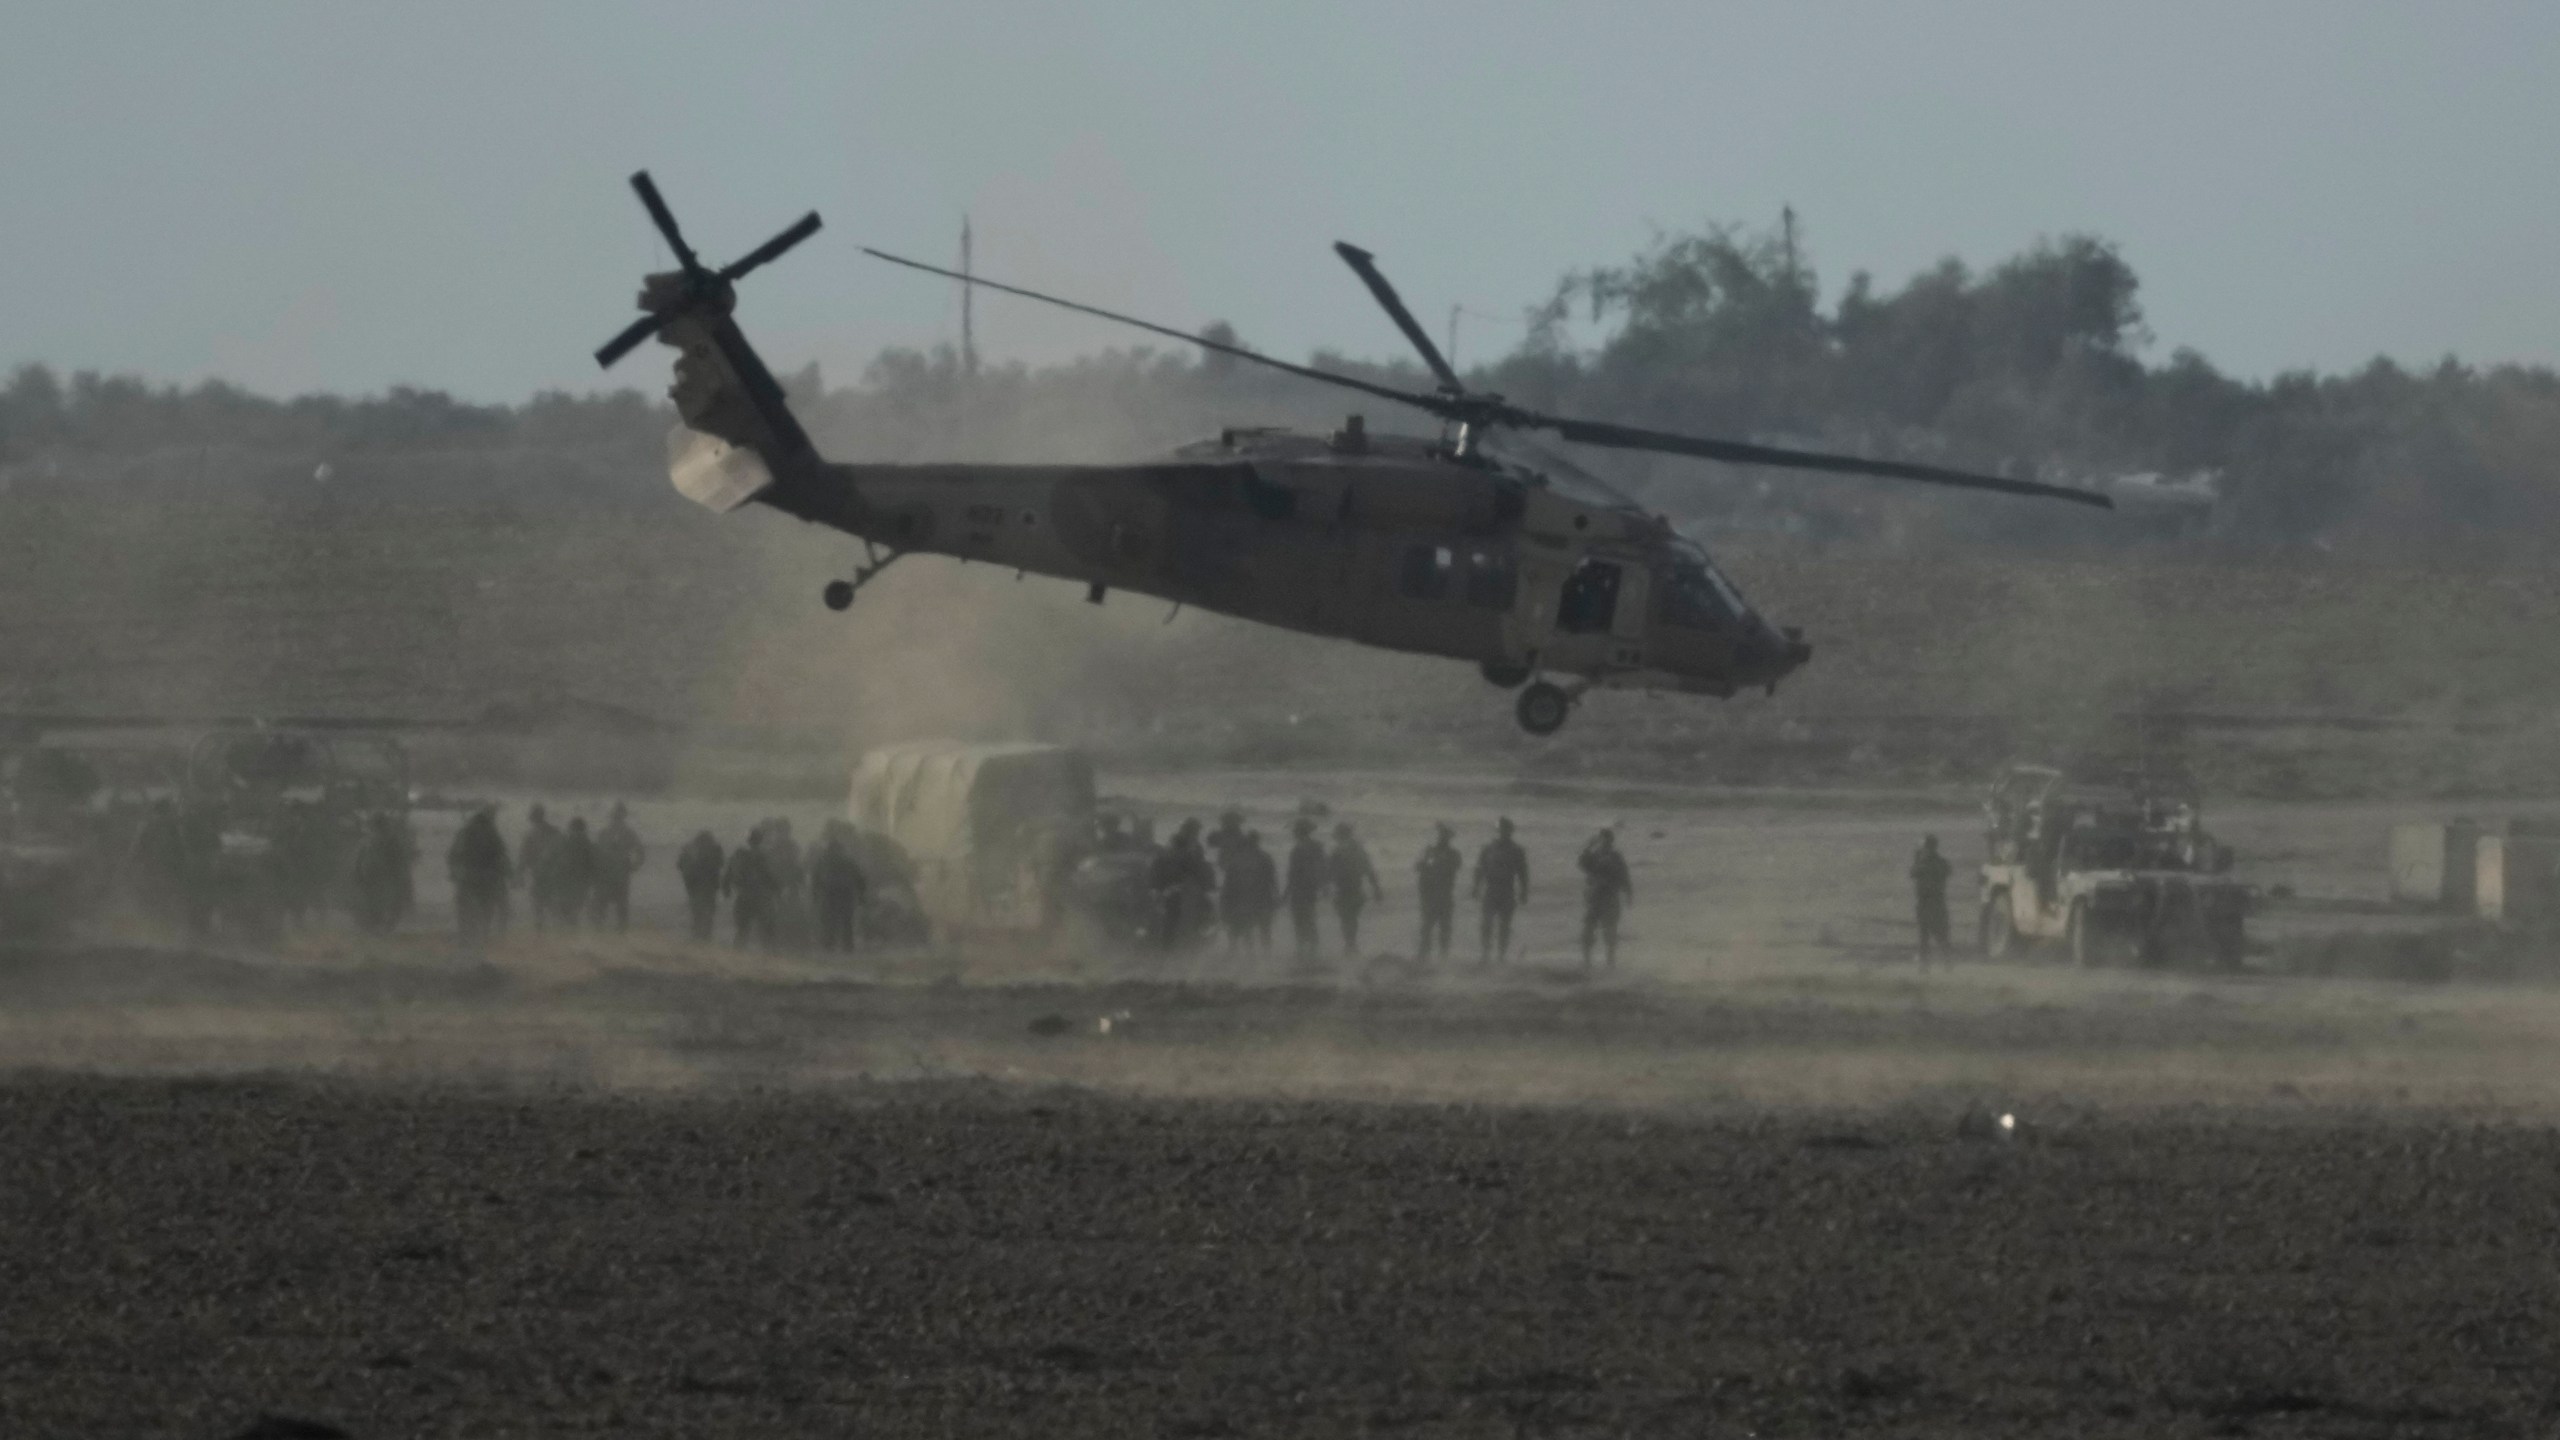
x,y
2112,863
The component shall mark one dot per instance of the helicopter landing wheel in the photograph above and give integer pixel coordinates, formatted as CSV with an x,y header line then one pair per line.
x,y
1543,708
1504,674
838,595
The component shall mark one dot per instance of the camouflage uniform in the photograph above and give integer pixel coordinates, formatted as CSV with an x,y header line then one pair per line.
x,y
699,865
1607,887
837,886
1501,887
1308,876
533,860
749,883
1435,885
619,856
477,865
567,874
1355,884
1182,880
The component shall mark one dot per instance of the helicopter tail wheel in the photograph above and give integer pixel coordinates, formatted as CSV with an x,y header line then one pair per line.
x,y
1543,707
838,595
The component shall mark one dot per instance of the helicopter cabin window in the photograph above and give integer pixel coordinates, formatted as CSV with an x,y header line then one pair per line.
x,y
1692,599
1424,575
1492,583
1589,603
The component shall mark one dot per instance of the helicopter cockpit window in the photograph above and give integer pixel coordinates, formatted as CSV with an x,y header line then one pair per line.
x,y
1424,574
1691,599
1492,582
1589,603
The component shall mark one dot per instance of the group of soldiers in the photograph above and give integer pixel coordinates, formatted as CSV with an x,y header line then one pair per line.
x,y
571,878
1249,887
778,896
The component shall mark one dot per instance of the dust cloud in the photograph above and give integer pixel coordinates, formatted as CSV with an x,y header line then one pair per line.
x,y
192,553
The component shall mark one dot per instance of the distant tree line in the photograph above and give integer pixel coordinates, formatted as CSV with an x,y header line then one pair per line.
x,y
2034,365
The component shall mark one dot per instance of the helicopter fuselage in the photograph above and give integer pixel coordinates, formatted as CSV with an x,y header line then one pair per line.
x,y
1389,541
1429,547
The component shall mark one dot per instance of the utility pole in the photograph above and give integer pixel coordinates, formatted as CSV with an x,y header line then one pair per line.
x,y
1453,335
1787,229
968,328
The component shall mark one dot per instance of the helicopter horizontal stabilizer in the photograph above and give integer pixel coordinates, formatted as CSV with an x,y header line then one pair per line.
x,y
713,473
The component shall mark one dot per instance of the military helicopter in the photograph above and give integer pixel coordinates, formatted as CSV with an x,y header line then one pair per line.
x,y
1473,544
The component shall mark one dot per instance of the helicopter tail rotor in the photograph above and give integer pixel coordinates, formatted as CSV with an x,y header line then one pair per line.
x,y
692,286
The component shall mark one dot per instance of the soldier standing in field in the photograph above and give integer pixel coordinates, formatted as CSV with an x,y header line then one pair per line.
x,y
1223,842
748,881
1929,872
1183,882
1235,887
477,864
699,864
1435,884
533,861
1607,889
1261,891
1501,887
619,855
837,888
1355,884
568,874
786,909
1305,885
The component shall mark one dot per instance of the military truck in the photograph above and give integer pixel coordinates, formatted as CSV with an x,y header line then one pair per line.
x,y
285,809
60,831
989,832
2113,864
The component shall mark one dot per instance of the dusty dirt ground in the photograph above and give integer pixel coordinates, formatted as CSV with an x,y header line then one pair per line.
x,y
1752,1182
962,1259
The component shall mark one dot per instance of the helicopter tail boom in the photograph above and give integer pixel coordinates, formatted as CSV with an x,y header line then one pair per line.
x,y
739,440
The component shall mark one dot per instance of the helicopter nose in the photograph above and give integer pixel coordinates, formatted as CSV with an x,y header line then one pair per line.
x,y
1778,654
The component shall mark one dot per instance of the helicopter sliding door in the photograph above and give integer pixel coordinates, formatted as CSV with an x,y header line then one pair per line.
x,y
1600,616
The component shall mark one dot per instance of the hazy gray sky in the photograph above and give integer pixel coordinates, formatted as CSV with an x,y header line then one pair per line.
x,y
345,197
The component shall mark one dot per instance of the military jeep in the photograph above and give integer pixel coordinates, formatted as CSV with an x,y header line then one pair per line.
x,y
2112,864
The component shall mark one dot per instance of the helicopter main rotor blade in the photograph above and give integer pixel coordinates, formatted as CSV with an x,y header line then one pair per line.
x,y
630,338
772,249
666,221
1436,404
1738,452
1366,265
